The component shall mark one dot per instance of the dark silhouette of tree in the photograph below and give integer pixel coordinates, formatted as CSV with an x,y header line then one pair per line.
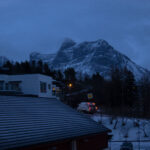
x,y
39,67
130,88
97,84
46,69
33,66
59,76
145,96
17,68
70,74
9,66
116,87
25,67
120,95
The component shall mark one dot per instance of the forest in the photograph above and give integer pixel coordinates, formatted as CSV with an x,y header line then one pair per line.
x,y
121,95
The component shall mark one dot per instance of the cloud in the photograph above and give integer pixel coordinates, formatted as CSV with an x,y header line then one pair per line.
x,y
41,25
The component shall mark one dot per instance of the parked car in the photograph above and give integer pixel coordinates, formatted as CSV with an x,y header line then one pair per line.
x,y
126,146
87,107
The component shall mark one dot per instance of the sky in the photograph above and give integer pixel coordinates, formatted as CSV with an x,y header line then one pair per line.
x,y
41,25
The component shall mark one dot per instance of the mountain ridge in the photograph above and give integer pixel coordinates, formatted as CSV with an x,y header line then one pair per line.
x,y
90,57
87,58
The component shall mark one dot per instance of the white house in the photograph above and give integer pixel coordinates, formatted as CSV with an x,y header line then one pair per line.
x,y
27,84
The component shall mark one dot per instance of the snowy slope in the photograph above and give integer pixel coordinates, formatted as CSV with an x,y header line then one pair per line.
x,y
134,133
89,58
45,58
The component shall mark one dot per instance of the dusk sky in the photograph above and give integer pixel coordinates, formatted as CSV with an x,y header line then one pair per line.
x,y
41,25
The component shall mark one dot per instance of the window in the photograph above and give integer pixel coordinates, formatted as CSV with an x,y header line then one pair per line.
x,y
15,86
43,87
1,85
49,86
7,86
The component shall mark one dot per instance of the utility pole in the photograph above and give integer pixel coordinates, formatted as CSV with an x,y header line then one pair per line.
x,y
70,87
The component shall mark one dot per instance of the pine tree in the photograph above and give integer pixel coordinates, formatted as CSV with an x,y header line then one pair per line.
x,y
97,84
39,68
130,88
46,69
116,87
17,68
70,74
59,75
9,65
145,96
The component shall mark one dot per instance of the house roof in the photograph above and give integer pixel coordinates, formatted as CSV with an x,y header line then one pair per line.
x,y
27,120
25,74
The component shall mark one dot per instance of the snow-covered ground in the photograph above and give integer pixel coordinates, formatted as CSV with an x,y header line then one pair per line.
x,y
133,133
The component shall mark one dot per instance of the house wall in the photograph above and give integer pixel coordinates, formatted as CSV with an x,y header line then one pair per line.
x,y
48,80
97,142
30,83
94,142
63,145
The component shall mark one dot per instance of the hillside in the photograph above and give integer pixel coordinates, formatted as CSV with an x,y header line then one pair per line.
x,y
89,58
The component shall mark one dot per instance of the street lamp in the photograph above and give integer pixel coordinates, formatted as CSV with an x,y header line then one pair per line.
x,y
70,85
69,92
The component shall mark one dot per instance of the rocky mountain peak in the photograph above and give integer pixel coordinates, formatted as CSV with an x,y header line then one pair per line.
x,y
90,57
67,43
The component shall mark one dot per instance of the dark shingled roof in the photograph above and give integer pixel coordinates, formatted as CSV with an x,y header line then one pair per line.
x,y
27,121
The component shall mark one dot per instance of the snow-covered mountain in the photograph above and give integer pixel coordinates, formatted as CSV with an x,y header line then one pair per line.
x,y
3,60
89,58
45,58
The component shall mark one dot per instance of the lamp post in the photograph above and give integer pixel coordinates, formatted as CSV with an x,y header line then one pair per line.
x,y
69,86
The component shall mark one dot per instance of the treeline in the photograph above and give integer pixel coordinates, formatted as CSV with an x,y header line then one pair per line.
x,y
120,95
26,68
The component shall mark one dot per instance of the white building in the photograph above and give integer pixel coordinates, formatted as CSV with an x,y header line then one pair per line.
x,y
27,84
